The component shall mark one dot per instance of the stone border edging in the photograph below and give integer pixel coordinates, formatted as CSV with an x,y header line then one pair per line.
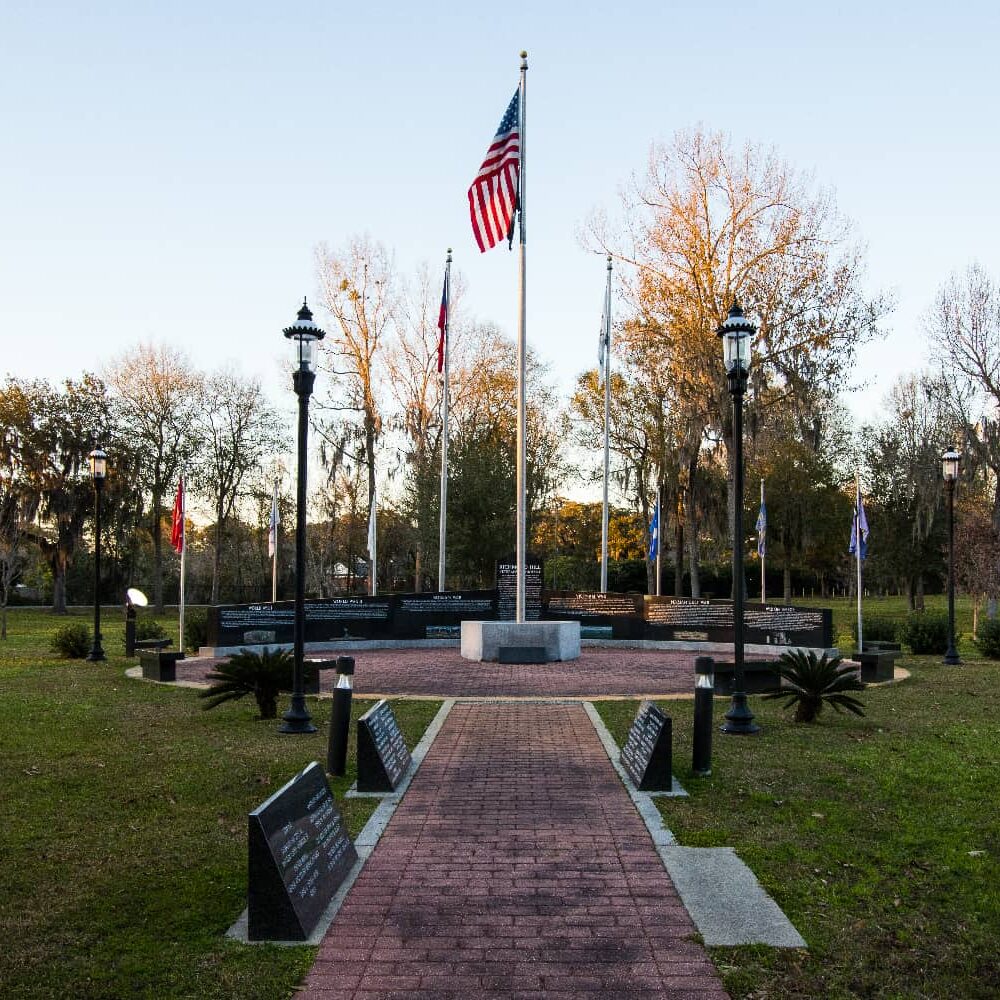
x,y
722,895
365,843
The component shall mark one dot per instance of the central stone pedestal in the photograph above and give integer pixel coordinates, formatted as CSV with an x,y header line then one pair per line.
x,y
483,640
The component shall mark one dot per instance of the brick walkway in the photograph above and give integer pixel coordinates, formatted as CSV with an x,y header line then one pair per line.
x,y
443,673
515,866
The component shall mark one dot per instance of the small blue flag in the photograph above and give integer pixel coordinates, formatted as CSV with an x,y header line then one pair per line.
x,y
654,531
762,530
859,521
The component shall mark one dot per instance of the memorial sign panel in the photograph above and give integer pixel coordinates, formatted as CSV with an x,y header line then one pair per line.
x,y
383,758
622,613
647,753
428,616
507,589
299,853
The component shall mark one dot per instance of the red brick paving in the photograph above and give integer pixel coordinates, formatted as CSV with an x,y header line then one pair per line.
x,y
443,673
515,866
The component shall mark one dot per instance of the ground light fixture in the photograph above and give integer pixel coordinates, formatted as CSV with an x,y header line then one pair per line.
x,y
304,335
736,333
340,717
98,462
704,692
950,462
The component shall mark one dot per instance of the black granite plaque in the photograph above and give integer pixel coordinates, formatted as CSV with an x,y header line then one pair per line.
x,y
383,758
422,616
507,589
299,855
622,613
693,619
646,755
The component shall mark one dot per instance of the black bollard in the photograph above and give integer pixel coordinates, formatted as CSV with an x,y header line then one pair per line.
x,y
129,628
704,691
340,717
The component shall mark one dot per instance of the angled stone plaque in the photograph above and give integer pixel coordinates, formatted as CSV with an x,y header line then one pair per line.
x,y
383,758
299,855
647,753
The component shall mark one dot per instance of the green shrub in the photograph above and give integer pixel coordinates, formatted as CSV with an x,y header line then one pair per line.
x,y
195,628
988,637
71,641
264,675
925,632
811,682
876,628
149,628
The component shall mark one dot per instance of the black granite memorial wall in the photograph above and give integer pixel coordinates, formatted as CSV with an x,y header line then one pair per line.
x,y
433,615
299,853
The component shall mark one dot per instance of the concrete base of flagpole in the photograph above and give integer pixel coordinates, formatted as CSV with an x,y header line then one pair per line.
x,y
482,641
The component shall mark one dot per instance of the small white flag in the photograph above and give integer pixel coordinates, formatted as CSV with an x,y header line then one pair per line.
x,y
272,528
371,526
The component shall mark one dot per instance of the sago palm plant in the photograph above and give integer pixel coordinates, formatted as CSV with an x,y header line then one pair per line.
x,y
812,681
264,675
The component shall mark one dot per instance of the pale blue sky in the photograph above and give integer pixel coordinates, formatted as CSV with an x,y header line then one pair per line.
x,y
167,169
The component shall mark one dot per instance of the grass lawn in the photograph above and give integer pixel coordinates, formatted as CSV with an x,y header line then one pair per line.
x,y
123,827
123,830
878,836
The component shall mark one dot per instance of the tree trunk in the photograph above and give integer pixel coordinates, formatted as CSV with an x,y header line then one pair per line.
x,y
59,583
678,553
787,574
217,562
919,600
691,520
418,560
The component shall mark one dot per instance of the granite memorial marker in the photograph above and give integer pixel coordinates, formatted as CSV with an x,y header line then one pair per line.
x,y
647,753
383,758
299,853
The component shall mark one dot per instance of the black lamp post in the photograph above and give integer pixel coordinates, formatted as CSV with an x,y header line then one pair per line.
x,y
949,467
304,335
735,333
98,470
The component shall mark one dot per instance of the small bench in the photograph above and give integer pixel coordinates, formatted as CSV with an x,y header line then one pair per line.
x,y
158,665
877,661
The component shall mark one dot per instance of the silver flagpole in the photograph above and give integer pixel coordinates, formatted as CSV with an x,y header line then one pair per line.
x,y
274,558
522,450
442,533
606,349
659,539
857,552
373,533
763,555
184,548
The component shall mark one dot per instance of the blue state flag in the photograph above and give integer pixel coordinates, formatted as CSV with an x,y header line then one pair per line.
x,y
654,531
762,530
859,522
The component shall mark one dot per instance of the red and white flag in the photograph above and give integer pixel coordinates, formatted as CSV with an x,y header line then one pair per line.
x,y
493,195
177,527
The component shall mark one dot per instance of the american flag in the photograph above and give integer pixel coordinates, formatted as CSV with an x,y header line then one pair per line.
x,y
493,195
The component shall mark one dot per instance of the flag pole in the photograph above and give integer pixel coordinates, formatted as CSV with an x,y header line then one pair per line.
x,y
373,541
522,454
659,536
606,349
857,551
763,554
184,547
273,527
442,531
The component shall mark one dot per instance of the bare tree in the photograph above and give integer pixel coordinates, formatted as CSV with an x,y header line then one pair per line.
x,y
159,395
238,429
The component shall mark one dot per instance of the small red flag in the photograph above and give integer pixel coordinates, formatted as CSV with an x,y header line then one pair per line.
x,y
177,528
442,323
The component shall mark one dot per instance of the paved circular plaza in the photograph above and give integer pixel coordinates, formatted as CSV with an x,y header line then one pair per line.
x,y
599,672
